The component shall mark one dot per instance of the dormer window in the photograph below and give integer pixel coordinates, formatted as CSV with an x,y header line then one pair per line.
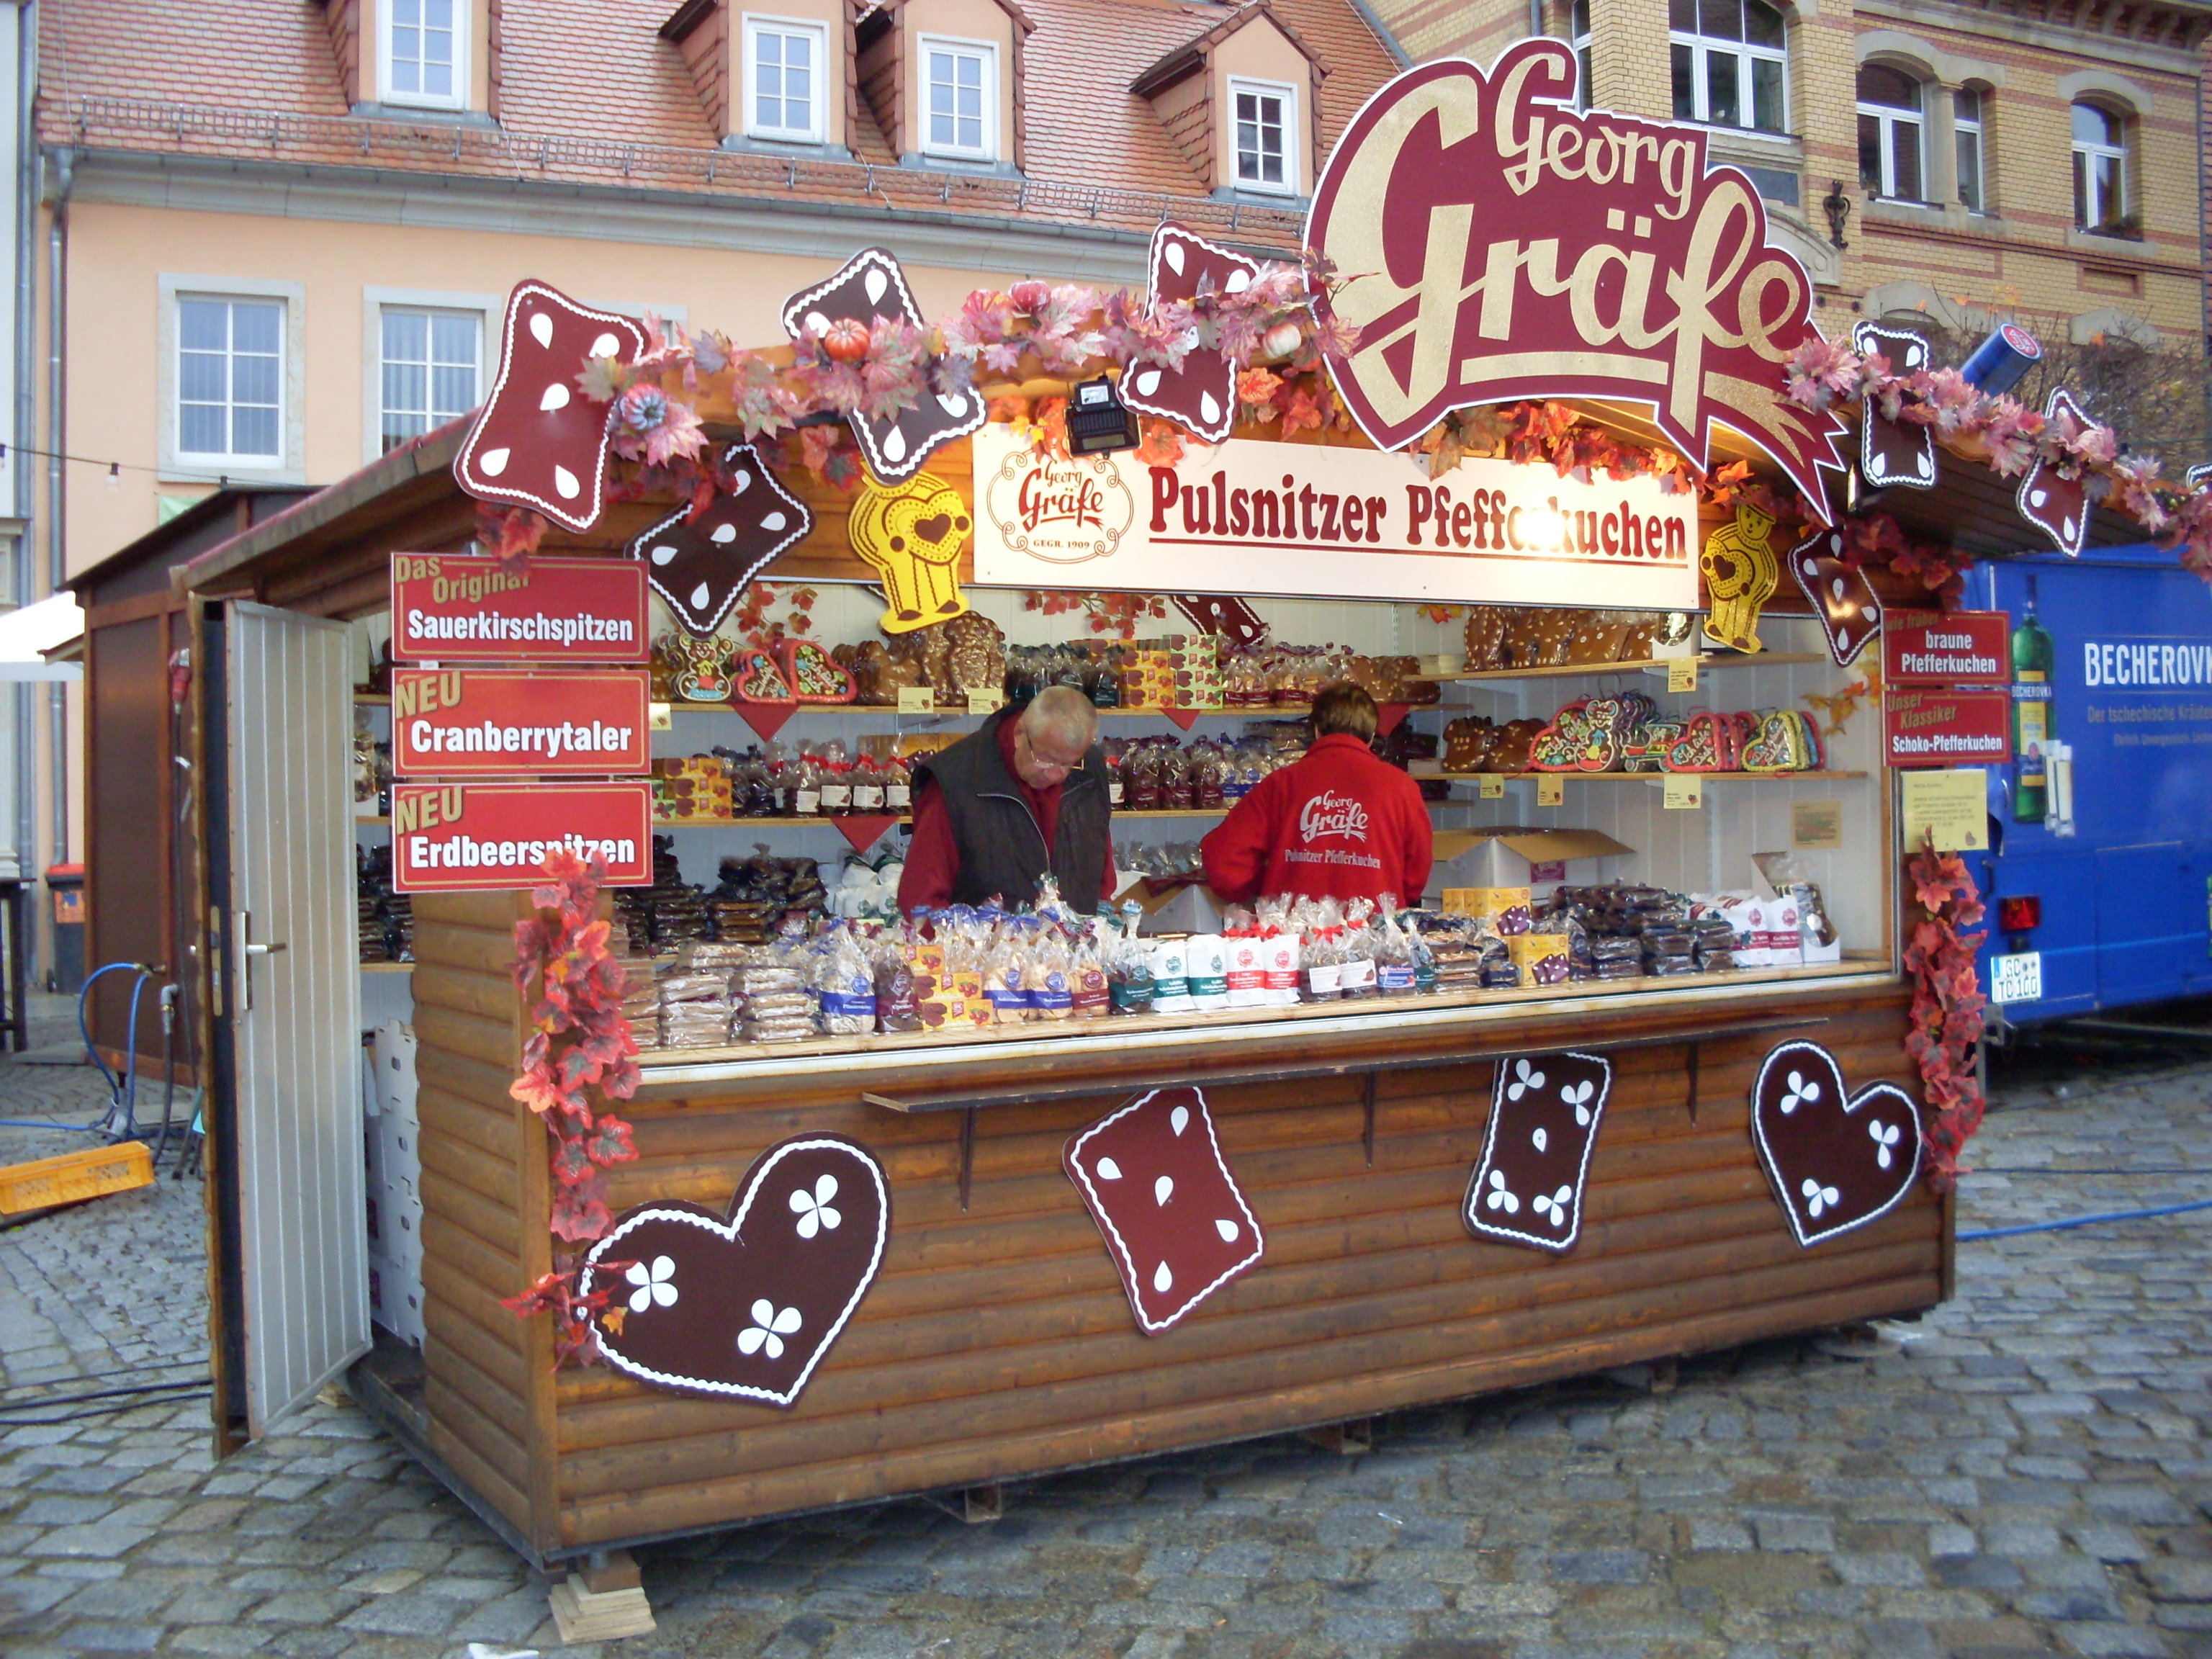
x,y
784,61
960,99
1266,136
425,52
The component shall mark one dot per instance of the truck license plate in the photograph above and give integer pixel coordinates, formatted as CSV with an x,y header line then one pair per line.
x,y
2016,978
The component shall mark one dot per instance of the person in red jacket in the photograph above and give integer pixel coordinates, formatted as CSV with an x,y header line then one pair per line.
x,y
1338,824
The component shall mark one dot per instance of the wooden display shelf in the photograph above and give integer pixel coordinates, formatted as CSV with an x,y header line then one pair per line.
x,y
1643,777
384,818
1725,659
1147,712
746,823
373,699
387,967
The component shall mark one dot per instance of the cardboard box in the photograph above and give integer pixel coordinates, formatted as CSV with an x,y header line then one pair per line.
x,y
1531,951
1191,909
1501,857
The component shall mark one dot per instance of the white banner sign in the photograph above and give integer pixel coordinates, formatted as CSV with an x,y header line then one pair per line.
x,y
1252,517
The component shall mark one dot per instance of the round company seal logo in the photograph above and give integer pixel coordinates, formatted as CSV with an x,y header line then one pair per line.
x,y
1060,510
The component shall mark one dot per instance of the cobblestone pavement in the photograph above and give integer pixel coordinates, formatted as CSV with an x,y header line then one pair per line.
x,y
2025,1471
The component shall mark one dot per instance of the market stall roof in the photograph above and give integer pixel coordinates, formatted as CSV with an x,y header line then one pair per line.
x,y
29,637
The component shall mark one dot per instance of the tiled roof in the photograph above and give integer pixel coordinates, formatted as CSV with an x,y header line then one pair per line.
x,y
156,75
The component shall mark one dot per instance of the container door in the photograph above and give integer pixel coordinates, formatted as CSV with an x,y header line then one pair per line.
x,y
287,1130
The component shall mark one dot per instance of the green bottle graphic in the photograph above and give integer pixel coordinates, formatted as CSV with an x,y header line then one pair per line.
x,y
2033,659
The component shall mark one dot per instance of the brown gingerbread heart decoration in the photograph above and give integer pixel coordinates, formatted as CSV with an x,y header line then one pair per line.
x,y
2057,505
1837,1161
701,566
745,1303
1200,396
539,443
1842,599
1894,452
868,287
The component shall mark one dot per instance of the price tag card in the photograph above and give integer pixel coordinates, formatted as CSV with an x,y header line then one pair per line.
x,y
1686,791
1682,674
1816,826
659,718
1951,806
1490,786
984,702
1551,790
917,700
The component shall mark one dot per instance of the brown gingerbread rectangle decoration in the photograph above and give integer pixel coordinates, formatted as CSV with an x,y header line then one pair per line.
x,y
1544,1114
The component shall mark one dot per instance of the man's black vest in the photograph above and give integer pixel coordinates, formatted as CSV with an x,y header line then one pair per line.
x,y
999,842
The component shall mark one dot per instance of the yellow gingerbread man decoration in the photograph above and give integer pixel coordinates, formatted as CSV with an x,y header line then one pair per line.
x,y
1740,575
911,535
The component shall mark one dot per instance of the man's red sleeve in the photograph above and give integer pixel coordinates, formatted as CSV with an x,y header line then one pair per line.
x,y
1235,850
1420,853
933,861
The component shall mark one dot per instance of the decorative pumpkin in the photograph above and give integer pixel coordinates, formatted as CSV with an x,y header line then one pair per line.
x,y
846,340
1281,340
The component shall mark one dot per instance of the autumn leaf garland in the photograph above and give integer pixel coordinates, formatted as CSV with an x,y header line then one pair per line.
x,y
579,1041
1946,1015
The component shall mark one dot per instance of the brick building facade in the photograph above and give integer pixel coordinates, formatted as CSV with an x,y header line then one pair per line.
x,y
1997,159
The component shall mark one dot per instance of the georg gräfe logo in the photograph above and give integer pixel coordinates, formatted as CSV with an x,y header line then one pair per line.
x,y
1062,510
1331,814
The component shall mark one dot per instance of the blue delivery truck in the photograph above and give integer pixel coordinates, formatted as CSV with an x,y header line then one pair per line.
x,y
2099,876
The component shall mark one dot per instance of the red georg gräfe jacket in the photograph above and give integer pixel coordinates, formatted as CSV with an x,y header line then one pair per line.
x,y
1339,824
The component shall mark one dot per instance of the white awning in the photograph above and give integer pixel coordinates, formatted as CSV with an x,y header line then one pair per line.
x,y
26,635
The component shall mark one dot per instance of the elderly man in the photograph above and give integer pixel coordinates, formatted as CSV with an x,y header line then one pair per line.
x,y
1003,808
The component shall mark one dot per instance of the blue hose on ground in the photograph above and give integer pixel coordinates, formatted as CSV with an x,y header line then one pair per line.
x,y
2082,1221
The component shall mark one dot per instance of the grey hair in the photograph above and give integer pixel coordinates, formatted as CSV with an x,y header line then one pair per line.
x,y
1063,712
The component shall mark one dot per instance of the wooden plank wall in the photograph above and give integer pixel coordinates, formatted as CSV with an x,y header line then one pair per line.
x,y
998,1342
484,1207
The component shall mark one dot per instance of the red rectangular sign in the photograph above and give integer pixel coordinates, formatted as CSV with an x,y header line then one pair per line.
x,y
475,837
1937,647
505,723
1946,726
454,607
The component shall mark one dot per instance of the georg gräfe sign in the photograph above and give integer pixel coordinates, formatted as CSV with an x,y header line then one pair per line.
x,y
1254,516
1492,242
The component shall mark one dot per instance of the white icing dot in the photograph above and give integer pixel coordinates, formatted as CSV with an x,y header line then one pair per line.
x,y
1207,408
556,396
740,482
700,598
1109,1169
1239,280
773,521
606,346
894,444
1148,380
493,462
1163,1189
723,535
541,328
1179,1119
565,482
1227,1230
1172,252
663,554
875,282
1163,1280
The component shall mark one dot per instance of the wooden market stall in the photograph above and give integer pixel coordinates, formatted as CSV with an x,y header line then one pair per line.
x,y
935,1292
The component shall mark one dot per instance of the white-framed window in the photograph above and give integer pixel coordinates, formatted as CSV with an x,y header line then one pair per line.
x,y
430,368
959,98
1730,63
1264,136
1893,130
2100,171
424,51
230,380
1967,114
784,62
1578,23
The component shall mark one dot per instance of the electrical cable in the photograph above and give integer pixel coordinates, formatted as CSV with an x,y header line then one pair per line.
x,y
2149,1170
112,1409
2082,1221
103,1393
